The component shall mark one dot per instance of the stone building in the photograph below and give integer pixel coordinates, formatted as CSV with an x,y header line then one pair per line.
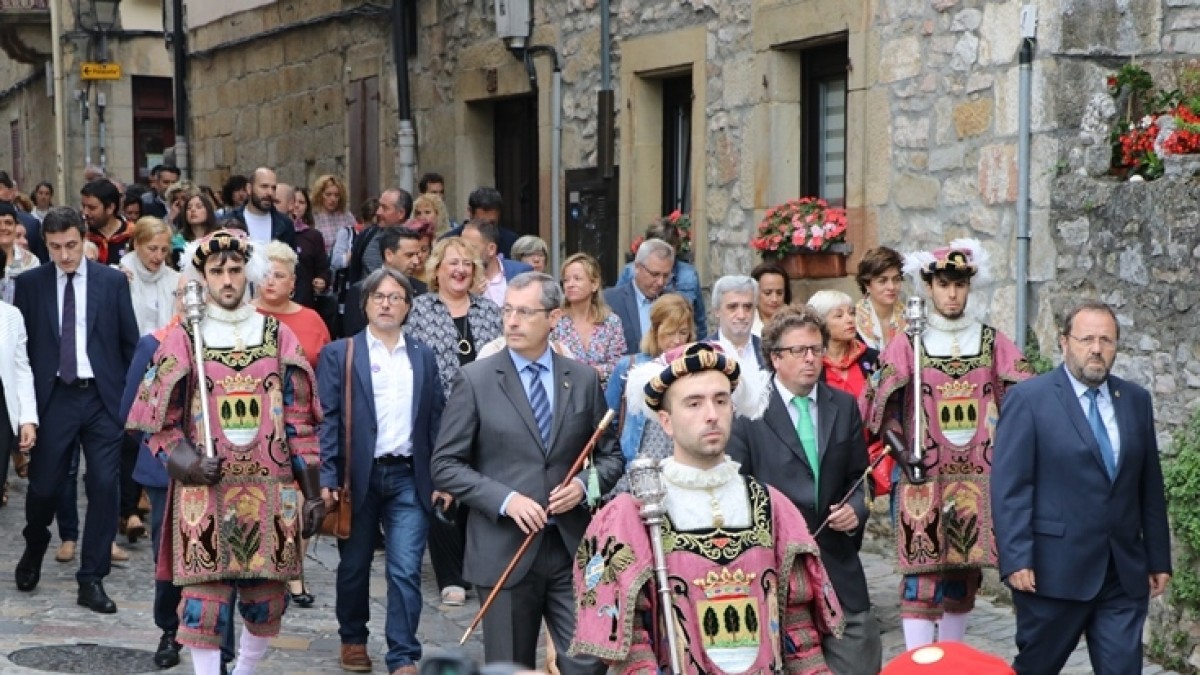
x,y
129,120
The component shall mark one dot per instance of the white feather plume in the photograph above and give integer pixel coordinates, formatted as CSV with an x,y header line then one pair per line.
x,y
636,380
914,263
750,399
979,256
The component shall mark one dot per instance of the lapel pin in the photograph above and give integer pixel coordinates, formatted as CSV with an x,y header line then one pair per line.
x,y
566,384
1117,394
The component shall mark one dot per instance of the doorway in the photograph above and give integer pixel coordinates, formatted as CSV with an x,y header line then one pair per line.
x,y
515,133
153,123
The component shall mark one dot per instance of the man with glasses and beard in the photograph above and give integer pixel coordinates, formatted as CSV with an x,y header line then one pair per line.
x,y
236,518
944,524
1081,516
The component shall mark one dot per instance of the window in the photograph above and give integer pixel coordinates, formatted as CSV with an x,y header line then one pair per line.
x,y
677,143
823,111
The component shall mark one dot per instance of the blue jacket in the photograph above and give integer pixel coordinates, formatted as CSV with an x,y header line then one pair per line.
x,y
282,227
148,471
427,404
512,268
635,423
685,280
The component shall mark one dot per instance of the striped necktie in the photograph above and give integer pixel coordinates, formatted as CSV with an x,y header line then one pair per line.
x,y
540,402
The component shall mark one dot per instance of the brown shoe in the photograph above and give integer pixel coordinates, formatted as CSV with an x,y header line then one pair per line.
x,y
119,554
355,659
410,669
21,463
66,552
133,528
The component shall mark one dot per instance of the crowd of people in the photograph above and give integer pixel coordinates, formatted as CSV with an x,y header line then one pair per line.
x,y
335,345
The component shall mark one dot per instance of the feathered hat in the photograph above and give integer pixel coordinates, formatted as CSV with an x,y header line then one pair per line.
x,y
964,256
646,385
198,251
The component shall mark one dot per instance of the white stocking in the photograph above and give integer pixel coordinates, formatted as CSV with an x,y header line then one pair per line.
x,y
953,627
917,632
206,661
251,650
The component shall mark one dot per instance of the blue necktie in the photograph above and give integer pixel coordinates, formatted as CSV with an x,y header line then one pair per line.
x,y
1101,432
68,366
540,402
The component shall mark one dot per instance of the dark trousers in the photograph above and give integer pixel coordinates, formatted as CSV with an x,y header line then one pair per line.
x,y
67,513
511,627
76,416
447,543
166,593
1048,630
130,490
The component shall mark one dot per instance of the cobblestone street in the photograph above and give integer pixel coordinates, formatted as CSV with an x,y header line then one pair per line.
x,y
309,641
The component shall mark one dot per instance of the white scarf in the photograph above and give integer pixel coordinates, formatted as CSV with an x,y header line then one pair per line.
x,y
153,293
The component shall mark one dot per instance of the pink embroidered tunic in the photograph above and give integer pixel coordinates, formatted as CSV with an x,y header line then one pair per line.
x,y
264,413
746,600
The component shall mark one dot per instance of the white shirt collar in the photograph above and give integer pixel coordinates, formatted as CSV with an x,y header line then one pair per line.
x,y
1081,388
787,395
80,272
373,341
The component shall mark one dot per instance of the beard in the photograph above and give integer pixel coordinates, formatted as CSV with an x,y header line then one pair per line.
x,y
262,204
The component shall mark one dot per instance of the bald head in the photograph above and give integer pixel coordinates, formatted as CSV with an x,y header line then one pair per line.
x,y
262,191
285,196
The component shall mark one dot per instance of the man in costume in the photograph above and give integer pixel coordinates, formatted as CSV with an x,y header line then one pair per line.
x,y
235,518
944,524
749,592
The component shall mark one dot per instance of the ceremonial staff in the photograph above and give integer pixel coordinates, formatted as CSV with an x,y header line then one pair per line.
x,y
645,483
913,461
574,470
193,312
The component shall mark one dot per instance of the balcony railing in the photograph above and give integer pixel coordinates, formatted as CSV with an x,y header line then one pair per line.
x,y
24,5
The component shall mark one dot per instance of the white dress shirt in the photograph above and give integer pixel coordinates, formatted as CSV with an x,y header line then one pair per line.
x,y
83,366
392,383
793,413
1108,414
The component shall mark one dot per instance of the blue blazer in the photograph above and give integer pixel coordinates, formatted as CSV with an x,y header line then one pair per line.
x,y
1057,512
623,302
512,268
149,470
427,404
685,280
110,343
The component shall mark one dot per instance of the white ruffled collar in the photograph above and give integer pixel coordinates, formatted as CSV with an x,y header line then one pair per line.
x,y
238,315
939,322
698,479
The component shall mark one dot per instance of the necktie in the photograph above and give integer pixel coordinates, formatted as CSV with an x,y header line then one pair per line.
x,y
68,368
808,439
1101,432
540,402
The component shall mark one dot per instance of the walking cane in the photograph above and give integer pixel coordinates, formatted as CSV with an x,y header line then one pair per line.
x,y
574,470
193,312
889,450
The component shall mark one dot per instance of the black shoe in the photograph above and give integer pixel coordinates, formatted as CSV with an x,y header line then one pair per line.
x,y
167,655
92,596
29,569
304,599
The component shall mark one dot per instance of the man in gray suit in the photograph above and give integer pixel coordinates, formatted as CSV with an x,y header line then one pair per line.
x,y
519,420
810,446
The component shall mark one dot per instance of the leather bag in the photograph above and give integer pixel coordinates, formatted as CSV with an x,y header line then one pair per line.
x,y
338,516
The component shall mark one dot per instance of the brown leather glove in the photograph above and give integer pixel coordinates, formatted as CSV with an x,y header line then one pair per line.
x,y
186,466
309,480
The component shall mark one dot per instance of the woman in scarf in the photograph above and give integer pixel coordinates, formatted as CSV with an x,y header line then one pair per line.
x,y
879,316
151,280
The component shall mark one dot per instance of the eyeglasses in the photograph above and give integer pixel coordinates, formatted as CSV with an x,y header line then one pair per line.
x,y
657,276
523,312
392,298
799,351
1104,341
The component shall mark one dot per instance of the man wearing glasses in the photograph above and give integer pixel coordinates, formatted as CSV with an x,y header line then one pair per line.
x,y
520,418
944,524
396,406
809,445
1081,516
653,263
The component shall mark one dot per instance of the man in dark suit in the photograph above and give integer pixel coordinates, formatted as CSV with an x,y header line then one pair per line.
x,y
393,210
1079,504
735,298
264,222
810,446
652,267
521,417
389,466
485,204
79,364
401,249
497,270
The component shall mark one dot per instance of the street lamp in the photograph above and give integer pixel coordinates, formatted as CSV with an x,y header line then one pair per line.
x,y
103,15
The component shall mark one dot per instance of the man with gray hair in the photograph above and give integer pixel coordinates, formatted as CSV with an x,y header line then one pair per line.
x,y
734,299
521,417
631,301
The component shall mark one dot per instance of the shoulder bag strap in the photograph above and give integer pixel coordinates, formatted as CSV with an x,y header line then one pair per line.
x,y
347,412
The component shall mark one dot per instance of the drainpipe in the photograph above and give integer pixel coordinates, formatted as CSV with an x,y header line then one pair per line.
x,y
556,102
183,154
1025,102
407,141
60,105
605,122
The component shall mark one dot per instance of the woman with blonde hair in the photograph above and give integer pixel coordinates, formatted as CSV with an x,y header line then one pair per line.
x,y
152,282
455,323
330,215
429,208
588,328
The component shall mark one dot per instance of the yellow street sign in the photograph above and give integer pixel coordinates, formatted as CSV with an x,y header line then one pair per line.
x,y
90,70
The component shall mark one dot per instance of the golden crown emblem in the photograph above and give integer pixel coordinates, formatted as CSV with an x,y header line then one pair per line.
x,y
725,584
957,389
239,384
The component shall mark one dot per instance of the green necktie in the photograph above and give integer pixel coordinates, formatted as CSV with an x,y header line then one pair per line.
x,y
808,439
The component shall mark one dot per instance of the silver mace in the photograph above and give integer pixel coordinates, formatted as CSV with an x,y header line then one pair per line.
x,y
917,318
645,482
193,312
